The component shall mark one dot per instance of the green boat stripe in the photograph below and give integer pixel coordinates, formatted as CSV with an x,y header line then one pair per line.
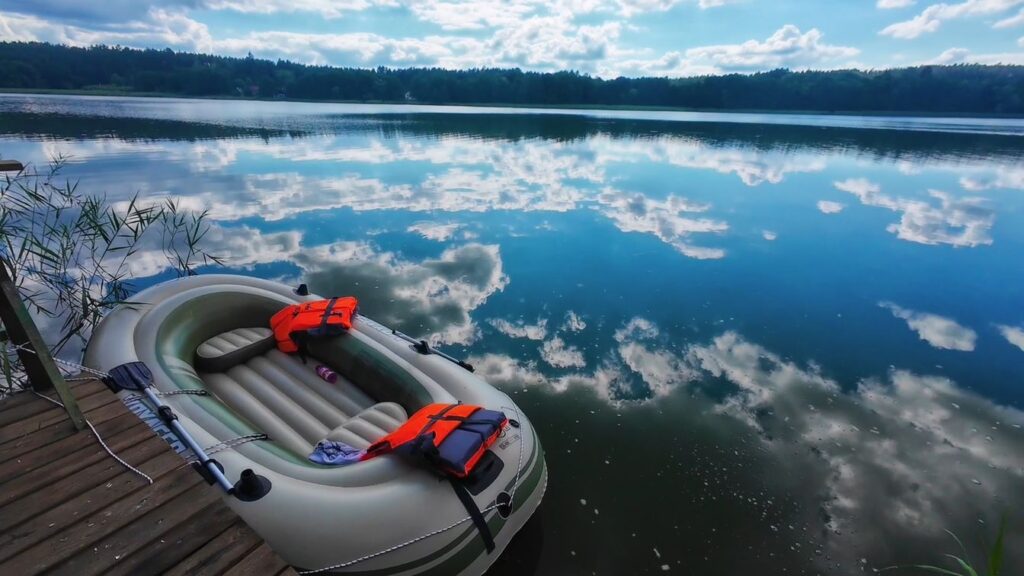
x,y
471,546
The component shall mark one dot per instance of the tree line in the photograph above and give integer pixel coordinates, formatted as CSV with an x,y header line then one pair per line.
x,y
962,88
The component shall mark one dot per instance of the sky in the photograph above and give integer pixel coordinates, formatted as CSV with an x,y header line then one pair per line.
x,y
606,38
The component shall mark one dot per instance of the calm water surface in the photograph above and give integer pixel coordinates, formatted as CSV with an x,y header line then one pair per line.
x,y
751,344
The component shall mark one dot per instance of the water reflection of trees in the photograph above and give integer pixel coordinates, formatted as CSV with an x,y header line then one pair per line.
x,y
907,145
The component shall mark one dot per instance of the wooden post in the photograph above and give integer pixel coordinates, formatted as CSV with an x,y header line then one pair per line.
x,y
39,366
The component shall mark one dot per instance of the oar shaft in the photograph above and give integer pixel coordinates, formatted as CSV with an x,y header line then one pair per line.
x,y
187,438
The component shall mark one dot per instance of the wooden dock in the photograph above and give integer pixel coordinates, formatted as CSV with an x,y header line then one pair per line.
x,y
67,507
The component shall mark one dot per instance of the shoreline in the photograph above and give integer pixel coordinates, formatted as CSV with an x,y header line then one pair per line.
x,y
574,107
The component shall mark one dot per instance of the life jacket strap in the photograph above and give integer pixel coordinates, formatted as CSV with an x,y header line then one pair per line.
x,y
474,513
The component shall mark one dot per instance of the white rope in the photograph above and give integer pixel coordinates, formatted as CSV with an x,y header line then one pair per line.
x,y
512,497
398,546
221,446
100,440
184,391
66,363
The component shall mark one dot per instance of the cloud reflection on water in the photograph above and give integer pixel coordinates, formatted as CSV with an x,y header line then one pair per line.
x,y
939,331
962,222
894,459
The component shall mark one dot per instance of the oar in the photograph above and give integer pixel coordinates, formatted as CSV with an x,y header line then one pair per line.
x,y
136,377
423,347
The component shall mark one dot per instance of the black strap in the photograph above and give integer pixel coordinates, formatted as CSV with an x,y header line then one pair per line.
x,y
327,313
433,418
474,512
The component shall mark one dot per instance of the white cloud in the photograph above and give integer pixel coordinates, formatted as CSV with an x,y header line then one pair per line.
x,y
965,56
435,230
559,355
931,18
158,27
573,322
665,219
520,329
1013,334
431,298
769,235
326,8
884,436
1000,177
964,222
890,4
636,329
787,47
939,331
1011,21
830,207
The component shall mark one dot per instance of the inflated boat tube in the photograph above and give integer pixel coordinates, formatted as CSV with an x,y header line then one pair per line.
x,y
381,516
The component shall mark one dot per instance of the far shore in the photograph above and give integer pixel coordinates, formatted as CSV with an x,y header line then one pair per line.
x,y
107,92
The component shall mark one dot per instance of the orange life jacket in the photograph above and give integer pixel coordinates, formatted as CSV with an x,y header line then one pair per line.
x,y
318,318
426,430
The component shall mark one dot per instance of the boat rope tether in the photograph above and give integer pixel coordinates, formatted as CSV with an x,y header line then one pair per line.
x,y
455,524
100,440
233,442
101,374
66,363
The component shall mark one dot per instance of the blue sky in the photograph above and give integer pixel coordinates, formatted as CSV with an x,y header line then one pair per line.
x,y
601,37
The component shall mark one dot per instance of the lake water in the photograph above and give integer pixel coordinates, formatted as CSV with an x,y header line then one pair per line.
x,y
751,344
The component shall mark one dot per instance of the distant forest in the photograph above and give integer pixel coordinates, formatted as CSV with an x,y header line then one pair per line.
x,y
971,89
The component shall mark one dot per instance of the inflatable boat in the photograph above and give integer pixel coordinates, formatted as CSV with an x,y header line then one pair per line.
x,y
251,415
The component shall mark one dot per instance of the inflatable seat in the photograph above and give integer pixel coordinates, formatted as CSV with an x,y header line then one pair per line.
x,y
285,398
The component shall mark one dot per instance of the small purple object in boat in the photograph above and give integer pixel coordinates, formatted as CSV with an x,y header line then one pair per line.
x,y
327,374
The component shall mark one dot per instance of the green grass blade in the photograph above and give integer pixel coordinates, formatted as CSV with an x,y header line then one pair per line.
x,y
936,570
995,559
968,569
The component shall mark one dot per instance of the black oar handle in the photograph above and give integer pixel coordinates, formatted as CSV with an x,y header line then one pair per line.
x,y
423,347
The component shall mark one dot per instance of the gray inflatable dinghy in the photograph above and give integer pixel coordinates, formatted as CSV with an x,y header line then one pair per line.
x,y
379,516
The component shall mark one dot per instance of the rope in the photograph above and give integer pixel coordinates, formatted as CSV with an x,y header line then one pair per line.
x,y
189,391
66,363
221,446
512,498
398,546
100,440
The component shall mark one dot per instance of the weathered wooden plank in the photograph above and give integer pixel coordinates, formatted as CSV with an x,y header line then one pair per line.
x,y
31,503
100,556
17,399
218,554
100,524
38,364
68,447
262,560
80,465
288,571
61,429
50,524
23,427
163,553
81,388
10,415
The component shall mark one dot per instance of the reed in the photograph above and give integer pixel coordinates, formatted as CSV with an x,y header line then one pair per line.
x,y
71,253
961,565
